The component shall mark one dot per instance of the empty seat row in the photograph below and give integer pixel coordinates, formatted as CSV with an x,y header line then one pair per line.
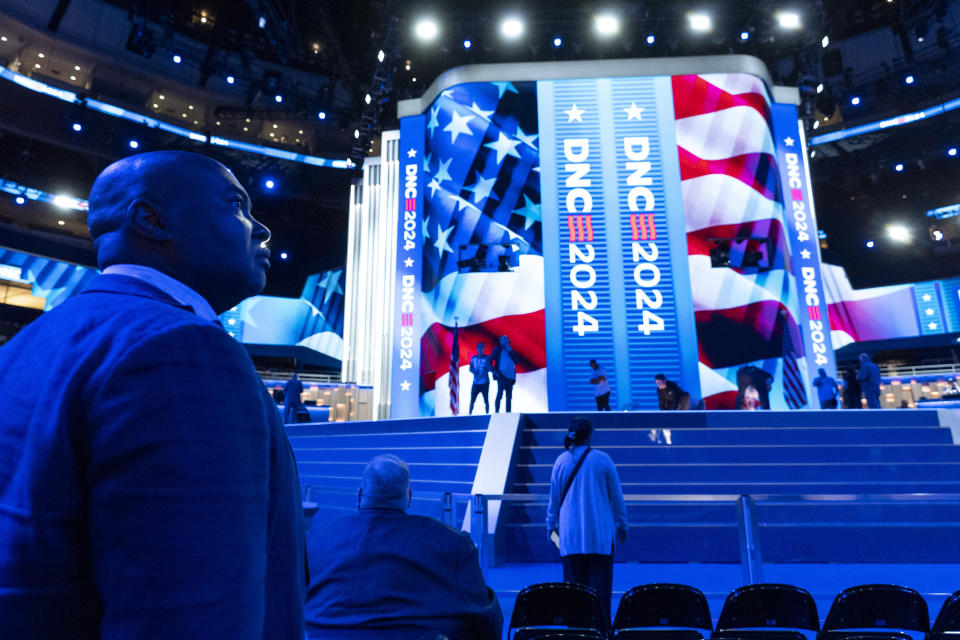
x,y
754,612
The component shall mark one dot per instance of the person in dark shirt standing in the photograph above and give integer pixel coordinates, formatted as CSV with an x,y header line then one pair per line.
x,y
291,399
869,377
480,368
601,388
505,371
826,389
851,390
669,394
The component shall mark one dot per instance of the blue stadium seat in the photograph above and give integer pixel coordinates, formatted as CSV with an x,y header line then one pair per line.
x,y
662,612
558,610
876,611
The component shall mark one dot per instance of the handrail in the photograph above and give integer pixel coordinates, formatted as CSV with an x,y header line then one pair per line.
x,y
920,370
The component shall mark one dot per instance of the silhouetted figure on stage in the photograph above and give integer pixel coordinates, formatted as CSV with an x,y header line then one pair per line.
x,y
292,402
505,371
147,488
586,512
826,389
670,396
869,377
851,390
381,573
480,368
601,388
751,376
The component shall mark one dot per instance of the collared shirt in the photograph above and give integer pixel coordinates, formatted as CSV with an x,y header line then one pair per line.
x,y
170,286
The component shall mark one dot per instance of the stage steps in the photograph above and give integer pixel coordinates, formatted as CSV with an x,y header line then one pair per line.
x,y
721,455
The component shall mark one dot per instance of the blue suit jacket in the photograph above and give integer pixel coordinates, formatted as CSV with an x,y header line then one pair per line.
x,y
147,488
382,573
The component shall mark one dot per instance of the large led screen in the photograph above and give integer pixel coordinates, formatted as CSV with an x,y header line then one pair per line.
x,y
657,224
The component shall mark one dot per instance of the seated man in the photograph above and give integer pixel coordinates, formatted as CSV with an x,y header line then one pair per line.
x,y
382,573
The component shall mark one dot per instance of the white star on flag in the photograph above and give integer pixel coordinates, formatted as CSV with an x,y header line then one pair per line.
x,y
447,94
529,211
480,112
932,326
503,87
441,242
408,263
426,163
331,284
313,308
634,112
434,121
405,386
926,297
442,173
412,153
928,311
527,139
433,186
461,203
805,254
458,125
574,114
504,146
788,141
483,188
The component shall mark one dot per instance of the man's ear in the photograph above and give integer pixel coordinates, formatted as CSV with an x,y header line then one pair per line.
x,y
148,221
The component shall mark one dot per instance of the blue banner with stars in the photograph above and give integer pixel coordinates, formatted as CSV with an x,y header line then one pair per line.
x,y
801,224
405,379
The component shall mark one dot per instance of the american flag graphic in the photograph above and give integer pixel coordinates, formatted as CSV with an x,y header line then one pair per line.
x,y
481,162
455,373
794,392
732,198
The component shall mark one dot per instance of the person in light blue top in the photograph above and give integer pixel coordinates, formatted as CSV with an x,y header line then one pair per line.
x,y
480,368
826,389
585,519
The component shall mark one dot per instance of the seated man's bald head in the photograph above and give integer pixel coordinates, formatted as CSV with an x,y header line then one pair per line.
x,y
385,483
184,214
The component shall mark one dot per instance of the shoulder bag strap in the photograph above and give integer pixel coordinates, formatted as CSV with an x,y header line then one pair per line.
x,y
573,474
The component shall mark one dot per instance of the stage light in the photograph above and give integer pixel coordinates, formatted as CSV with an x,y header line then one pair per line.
x,y
606,24
321,115
952,151
77,126
162,97
76,67
813,153
283,255
869,244
898,233
41,55
37,66
744,35
381,55
908,79
651,39
937,235
511,28
426,29
820,88
278,98
231,79
61,222
269,183
64,202
356,134
73,78
855,100
177,59
3,38
467,44
816,124
788,20
134,144
262,22
558,42
20,200
825,42
700,22
367,98
898,168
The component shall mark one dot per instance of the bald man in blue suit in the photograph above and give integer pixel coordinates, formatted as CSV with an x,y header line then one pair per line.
x,y
147,488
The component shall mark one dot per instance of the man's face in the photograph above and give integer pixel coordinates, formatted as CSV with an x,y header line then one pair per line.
x,y
219,243
661,384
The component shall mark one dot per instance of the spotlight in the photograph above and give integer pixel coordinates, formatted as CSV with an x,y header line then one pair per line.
x,y
700,22
231,79
855,100
908,79
820,88
177,59
898,232
367,98
426,29
76,67
816,124
937,235
788,20
899,167
63,202
61,222
269,183
77,126
283,255
356,134
20,200
262,22
952,151
511,28
467,44
870,244
825,42
558,42
134,144
278,98
321,115
651,39
744,35
381,55
606,24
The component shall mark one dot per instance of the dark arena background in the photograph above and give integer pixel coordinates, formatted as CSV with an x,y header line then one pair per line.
x,y
735,195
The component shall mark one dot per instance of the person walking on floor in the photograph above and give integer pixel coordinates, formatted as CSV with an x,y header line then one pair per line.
x,y
586,512
601,388
291,399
